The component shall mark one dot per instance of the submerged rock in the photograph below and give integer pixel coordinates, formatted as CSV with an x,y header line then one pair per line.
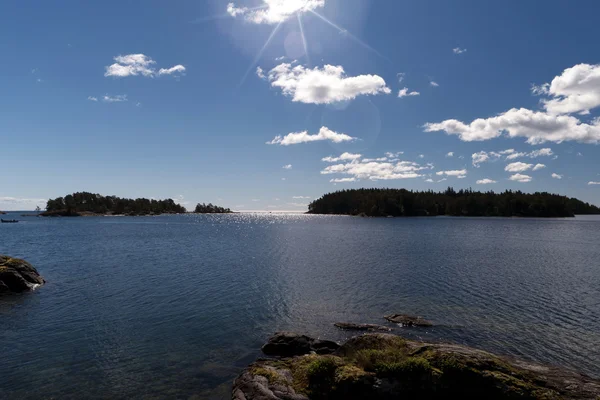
x,y
362,327
384,366
18,276
408,320
288,344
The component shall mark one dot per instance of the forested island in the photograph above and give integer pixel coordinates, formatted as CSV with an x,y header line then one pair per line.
x,y
211,209
405,203
85,203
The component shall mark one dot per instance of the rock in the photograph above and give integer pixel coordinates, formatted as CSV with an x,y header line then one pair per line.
x,y
382,366
263,382
18,276
362,327
408,320
288,344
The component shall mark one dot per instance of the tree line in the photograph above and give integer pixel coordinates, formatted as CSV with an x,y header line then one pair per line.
x,y
85,202
401,202
211,209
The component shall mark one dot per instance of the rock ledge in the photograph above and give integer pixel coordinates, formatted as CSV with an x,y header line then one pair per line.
x,y
384,366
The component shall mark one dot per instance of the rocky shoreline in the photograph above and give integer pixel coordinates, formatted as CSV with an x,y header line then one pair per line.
x,y
386,366
17,276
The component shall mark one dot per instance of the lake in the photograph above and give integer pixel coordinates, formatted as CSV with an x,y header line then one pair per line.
x,y
175,306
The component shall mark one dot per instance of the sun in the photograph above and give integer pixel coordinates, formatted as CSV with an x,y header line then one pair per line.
x,y
278,12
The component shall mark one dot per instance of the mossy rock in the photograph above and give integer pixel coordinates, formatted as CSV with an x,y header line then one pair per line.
x,y
383,366
17,276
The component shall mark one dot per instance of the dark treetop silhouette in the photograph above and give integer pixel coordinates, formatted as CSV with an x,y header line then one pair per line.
x,y
401,202
77,204
211,209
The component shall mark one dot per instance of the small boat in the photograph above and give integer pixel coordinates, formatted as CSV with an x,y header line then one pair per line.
x,y
9,221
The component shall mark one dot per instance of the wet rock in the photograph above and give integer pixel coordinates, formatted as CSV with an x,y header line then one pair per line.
x,y
18,276
288,344
408,320
362,327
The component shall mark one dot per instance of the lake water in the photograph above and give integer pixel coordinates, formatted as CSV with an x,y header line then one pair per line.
x,y
174,306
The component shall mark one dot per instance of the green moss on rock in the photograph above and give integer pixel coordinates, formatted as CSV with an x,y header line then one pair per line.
x,y
382,366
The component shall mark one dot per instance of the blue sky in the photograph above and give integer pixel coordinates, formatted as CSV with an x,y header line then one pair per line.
x,y
164,99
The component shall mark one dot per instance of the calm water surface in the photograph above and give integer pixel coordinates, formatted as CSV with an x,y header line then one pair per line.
x,y
174,306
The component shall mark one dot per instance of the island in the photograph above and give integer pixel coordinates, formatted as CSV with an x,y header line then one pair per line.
x,y
406,203
383,366
90,204
211,209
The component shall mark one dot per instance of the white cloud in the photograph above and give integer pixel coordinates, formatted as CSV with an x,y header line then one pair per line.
x,y
298,204
429,180
576,90
405,93
510,154
274,11
138,104
260,73
537,127
92,98
518,167
138,64
377,170
539,90
485,181
8,203
434,84
342,180
458,50
304,137
540,153
557,176
534,154
538,167
131,65
374,159
114,99
593,183
343,157
289,166
421,156
462,173
301,197
394,155
177,69
323,85
450,154
514,156
484,156
401,76
520,178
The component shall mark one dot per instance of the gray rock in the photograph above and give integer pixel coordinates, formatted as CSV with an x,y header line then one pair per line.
x,y
408,320
18,276
288,344
264,382
362,327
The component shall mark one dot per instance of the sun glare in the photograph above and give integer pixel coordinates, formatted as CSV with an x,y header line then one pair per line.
x,y
277,12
